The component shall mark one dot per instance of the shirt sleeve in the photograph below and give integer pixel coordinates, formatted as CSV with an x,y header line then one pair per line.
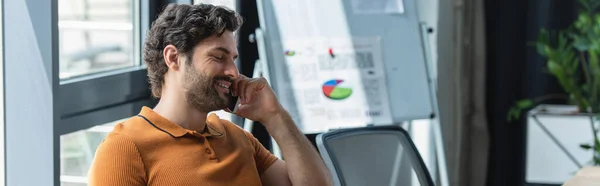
x,y
117,162
263,158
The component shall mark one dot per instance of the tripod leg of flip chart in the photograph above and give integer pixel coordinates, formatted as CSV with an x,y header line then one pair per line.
x,y
261,69
416,136
440,154
248,125
436,125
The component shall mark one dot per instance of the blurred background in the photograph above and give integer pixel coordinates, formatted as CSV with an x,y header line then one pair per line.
x,y
513,105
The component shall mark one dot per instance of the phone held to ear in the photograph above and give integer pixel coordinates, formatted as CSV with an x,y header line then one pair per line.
x,y
233,101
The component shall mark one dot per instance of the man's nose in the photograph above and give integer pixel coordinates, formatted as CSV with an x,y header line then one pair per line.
x,y
232,71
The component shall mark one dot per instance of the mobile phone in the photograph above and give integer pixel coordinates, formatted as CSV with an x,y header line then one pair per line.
x,y
233,100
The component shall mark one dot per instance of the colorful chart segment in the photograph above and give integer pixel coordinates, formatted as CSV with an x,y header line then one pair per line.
x,y
332,90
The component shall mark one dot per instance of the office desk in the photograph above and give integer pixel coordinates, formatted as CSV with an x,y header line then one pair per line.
x,y
588,176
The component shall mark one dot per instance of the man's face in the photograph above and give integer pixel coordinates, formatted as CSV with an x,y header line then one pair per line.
x,y
208,77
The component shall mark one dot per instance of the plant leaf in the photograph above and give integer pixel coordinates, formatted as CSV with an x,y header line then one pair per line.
x,y
514,112
542,43
555,69
585,146
584,4
525,103
597,145
581,44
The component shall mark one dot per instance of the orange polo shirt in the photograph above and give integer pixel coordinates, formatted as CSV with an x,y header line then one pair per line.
x,y
148,149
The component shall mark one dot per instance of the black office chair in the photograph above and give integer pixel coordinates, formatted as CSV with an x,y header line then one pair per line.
x,y
373,156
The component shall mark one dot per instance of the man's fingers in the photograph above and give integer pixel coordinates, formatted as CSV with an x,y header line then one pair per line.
x,y
242,89
262,82
245,87
234,87
249,90
240,110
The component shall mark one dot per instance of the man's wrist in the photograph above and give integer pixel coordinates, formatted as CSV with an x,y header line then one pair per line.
x,y
281,117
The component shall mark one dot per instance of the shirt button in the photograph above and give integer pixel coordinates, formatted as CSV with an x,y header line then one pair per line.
x,y
208,151
201,140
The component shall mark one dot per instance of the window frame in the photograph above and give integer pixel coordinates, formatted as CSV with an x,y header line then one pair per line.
x,y
94,99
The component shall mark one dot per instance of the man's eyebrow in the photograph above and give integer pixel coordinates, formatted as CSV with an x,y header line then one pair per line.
x,y
224,50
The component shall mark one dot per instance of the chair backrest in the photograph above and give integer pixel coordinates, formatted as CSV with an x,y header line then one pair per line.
x,y
378,155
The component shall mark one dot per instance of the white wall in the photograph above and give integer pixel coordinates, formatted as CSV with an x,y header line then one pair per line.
x,y
2,150
30,81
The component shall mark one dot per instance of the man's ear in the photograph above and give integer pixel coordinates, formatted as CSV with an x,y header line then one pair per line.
x,y
171,55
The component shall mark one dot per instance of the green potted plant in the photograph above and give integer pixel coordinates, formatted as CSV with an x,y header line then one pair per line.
x,y
573,58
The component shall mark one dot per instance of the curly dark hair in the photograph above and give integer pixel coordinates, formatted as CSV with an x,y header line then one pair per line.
x,y
183,26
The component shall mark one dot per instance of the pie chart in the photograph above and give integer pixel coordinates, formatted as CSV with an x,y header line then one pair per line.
x,y
334,89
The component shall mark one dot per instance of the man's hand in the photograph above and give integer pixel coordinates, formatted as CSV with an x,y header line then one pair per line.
x,y
257,100
303,165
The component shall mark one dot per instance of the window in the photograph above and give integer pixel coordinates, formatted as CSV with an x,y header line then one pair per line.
x,y
98,47
96,35
77,151
227,3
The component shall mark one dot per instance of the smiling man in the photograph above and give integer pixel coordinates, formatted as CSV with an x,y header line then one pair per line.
x,y
190,52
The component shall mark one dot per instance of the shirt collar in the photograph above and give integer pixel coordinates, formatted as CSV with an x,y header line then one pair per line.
x,y
213,124
214,127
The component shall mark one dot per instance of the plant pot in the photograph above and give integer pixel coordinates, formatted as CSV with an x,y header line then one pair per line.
x,y
587,176
554,135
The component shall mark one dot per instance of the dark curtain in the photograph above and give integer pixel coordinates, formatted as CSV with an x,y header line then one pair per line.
x,y
515,71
